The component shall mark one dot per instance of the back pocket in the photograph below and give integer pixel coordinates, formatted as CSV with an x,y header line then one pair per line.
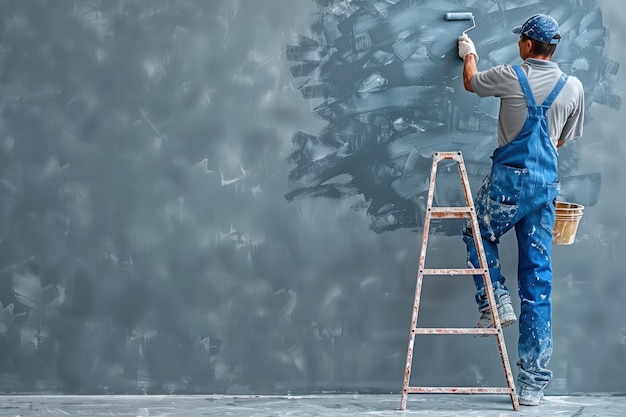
x,y
506,184
553,190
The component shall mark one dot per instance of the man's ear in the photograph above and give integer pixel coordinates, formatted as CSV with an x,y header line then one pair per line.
x,y
527,46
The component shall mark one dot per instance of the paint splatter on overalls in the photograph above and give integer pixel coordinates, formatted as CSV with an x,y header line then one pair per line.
x,y
520,193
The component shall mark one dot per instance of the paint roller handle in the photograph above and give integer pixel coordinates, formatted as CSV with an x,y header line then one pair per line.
x,y
462,16
466,46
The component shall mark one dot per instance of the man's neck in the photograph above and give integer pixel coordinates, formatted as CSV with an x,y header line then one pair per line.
x,y
540,57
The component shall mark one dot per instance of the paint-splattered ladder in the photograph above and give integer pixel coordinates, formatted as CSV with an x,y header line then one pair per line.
x,y
466,211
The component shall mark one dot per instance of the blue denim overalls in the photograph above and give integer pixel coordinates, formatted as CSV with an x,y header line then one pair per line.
x,y
520,193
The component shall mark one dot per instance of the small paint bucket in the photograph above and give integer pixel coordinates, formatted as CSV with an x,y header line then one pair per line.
x,y
568,216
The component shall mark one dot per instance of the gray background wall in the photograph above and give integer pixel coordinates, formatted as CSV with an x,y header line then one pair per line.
x,y
165,228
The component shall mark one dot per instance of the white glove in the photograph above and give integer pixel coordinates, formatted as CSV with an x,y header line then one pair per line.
x,y
466,46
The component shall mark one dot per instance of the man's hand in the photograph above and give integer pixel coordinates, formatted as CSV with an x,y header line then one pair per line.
x,y
466,46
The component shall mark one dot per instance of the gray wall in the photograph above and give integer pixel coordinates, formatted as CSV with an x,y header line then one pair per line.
x,y
212,197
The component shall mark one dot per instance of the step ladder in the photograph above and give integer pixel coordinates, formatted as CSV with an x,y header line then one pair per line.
x,y
466,211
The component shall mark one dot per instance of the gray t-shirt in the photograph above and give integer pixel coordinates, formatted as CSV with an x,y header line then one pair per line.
x,y
565,116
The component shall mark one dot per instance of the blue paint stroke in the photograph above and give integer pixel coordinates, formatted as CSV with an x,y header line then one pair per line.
x,y
389,78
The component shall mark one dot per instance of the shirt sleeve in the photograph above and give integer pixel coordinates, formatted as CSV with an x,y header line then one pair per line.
x,y
574,125
489,82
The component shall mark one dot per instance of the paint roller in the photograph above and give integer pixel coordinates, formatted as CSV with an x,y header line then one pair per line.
x,y
462,16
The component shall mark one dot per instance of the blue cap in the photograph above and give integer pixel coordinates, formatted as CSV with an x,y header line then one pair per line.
x,y
540,27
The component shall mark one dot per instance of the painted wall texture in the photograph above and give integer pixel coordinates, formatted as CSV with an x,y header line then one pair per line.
x,y
225,196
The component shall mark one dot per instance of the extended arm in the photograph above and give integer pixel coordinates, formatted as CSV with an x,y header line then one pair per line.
x,y
467,52
469,69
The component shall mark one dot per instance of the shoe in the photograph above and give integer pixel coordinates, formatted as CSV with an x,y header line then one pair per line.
x,y
530,397
505,311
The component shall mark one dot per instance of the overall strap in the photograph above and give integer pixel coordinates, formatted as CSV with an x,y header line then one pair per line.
x,y
556,90
523,81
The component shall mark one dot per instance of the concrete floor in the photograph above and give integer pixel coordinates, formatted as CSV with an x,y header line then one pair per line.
x,y
306,406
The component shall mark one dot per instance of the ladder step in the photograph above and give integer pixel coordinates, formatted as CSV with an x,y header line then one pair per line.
x,y
454,330
451,212
458,390
453,271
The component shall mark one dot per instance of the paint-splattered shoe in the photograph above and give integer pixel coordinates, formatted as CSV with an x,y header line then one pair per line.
x,y
505,311
530,397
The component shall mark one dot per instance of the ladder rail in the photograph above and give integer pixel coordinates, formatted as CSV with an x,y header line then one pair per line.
x,y
418,287
482,258
468,212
